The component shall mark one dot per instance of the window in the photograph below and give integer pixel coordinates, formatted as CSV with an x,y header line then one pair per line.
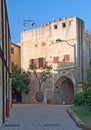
x,y
56,59
34,62
40,62
64,25
55,26
31,62
66,58
12,50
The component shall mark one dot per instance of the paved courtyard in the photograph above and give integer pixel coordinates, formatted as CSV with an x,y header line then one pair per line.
x,y
39,117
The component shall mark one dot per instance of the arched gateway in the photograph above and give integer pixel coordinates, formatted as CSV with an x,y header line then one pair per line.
x,y
63,91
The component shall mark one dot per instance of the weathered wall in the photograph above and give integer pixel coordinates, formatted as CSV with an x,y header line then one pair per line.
x,y
41,43
5,62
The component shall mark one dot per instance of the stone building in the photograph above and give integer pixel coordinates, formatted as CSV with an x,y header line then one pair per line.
x,y
5,63
16,54
66,46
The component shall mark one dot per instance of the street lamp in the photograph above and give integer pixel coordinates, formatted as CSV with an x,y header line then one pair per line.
x,y
27,21
74,46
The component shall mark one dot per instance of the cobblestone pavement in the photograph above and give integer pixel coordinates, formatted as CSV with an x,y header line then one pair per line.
x,y
39,117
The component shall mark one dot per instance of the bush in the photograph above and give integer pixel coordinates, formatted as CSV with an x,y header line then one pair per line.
x,y
87,96
79,98
84,98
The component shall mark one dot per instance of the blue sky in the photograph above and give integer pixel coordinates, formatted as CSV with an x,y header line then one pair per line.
x,y
42,11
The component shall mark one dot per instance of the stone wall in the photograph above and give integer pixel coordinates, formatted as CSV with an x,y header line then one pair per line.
x,y
42,43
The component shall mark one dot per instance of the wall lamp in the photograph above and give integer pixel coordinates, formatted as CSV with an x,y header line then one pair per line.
x,y
58,40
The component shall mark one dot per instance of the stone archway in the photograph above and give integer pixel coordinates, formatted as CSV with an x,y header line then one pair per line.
x,y
63,91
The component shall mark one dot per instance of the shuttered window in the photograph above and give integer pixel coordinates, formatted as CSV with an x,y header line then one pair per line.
x,y
66,58
39,62
56,59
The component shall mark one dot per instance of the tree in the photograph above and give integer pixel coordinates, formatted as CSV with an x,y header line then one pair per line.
x,y
20,81
41,78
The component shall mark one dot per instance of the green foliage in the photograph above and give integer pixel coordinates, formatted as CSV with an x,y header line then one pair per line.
x,y
83,98
89,76
32,67
44,75
84,84
83,112
87,96
20,81
79,98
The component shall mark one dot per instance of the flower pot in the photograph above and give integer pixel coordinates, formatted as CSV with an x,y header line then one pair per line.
x,y
39,96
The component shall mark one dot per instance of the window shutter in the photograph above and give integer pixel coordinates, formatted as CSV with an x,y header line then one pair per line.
x,y
56,59
66,58
44,60
40,62
29,62
36,62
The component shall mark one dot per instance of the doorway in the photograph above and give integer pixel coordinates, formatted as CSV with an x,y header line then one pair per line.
x,y
64,91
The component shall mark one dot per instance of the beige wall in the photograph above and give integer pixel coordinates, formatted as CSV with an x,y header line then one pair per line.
x,y
16,54
32,42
